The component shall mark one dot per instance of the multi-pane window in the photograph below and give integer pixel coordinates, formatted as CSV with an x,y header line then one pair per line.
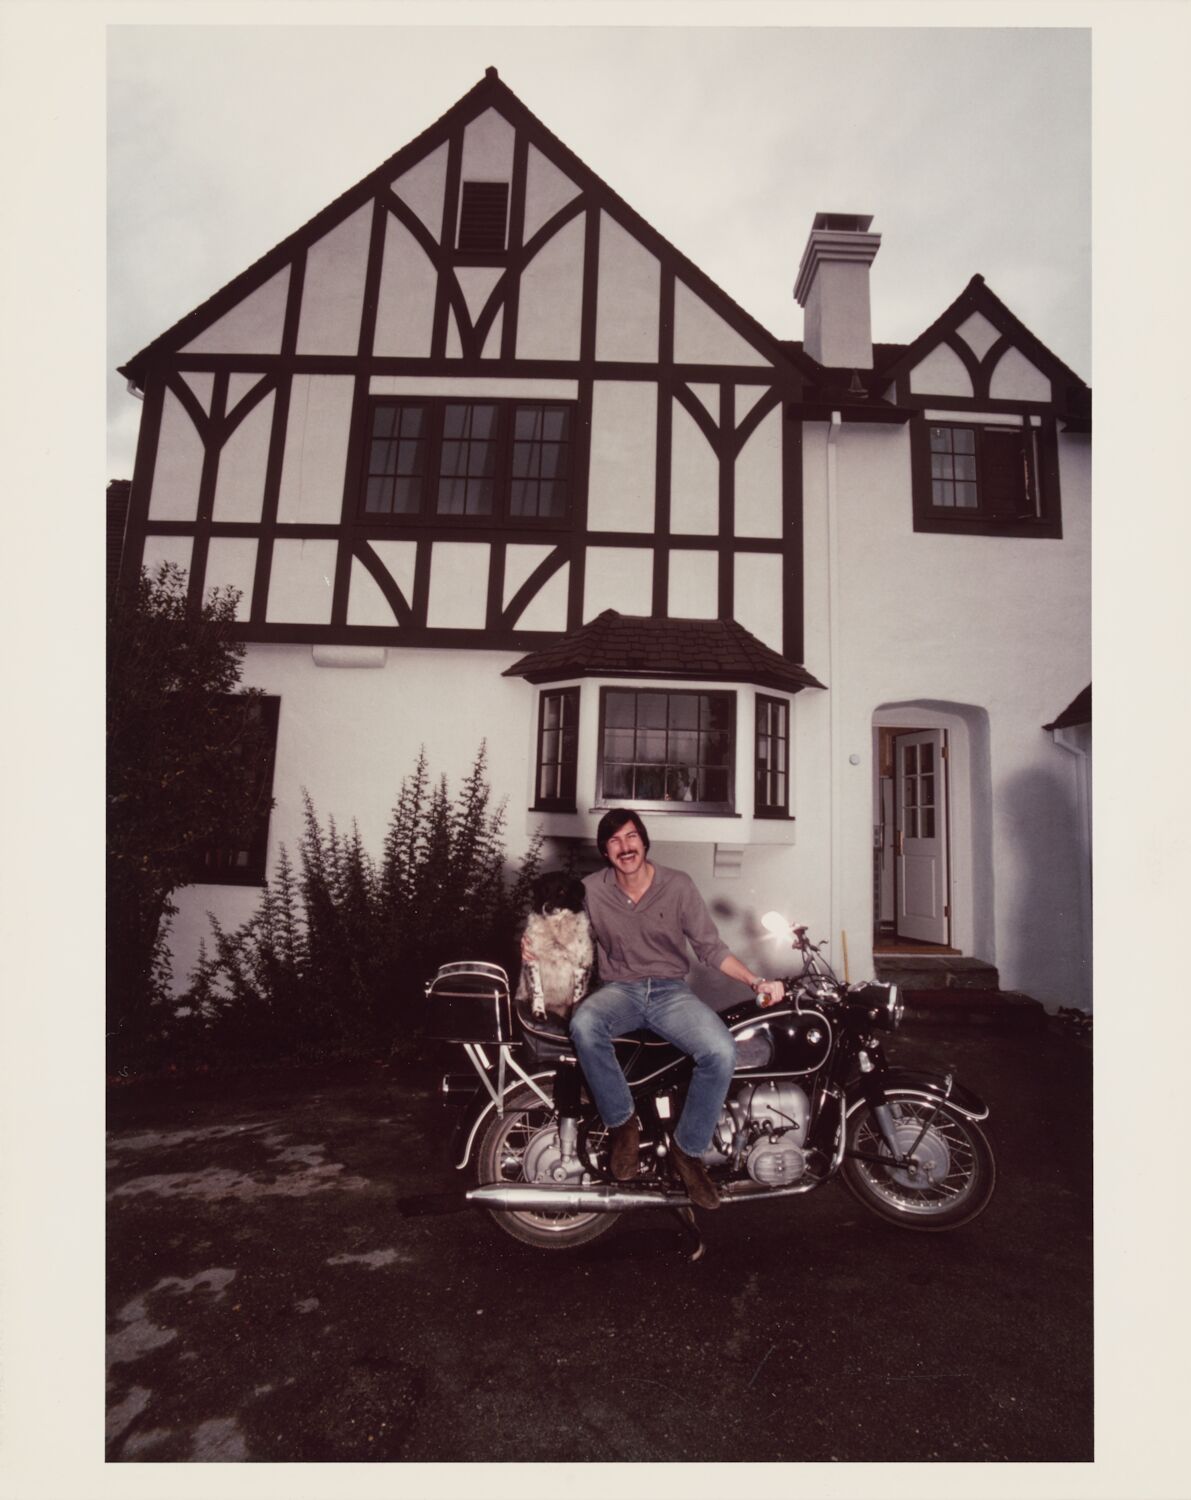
x,y
953,467
919,798
985,470
541,461
772,786
558,749
252,722
987,477
483,216
397,461
469,459
664,748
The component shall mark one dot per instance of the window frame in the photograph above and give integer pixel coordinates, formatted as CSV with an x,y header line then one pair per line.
x,y
256,847
567,764
665,805
762,807
505,443
1041,451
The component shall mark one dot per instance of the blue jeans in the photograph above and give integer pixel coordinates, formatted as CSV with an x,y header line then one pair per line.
x,y
672,1010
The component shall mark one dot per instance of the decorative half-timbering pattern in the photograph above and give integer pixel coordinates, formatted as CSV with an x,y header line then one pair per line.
x,y
476,401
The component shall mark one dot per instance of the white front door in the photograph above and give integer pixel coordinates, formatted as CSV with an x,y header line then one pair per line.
x,y
921,818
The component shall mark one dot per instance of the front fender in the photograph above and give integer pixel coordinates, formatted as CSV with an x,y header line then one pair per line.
x,y
479,1110
933,1087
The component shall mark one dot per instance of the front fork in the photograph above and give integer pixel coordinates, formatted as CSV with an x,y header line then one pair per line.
x,y
872,1085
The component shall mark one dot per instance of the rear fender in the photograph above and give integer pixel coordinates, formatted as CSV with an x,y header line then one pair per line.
x,y
480,1108
933,1087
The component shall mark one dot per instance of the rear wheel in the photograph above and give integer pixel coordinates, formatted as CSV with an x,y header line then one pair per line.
x,y
523,1146
949,1179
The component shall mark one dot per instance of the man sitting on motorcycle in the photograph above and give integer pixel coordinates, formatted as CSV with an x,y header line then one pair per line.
x,y
643,916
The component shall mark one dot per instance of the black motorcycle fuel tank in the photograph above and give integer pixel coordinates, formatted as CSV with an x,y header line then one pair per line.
x,y
773,1040
779,1039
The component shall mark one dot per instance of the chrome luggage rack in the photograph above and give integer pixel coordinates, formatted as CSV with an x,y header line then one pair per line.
x,y
470,1005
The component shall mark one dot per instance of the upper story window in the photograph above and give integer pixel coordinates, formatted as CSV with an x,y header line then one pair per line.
x,y
483,217
772,783
490,460
558,750
658,749
986,477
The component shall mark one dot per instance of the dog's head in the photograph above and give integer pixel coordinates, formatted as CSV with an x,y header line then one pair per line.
x,y
556,891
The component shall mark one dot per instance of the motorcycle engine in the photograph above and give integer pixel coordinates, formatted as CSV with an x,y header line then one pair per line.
x,y
765,1122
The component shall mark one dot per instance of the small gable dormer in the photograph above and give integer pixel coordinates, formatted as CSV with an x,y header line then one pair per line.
x,y
986,400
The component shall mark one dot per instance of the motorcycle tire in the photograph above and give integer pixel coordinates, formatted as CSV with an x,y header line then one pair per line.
x,y
955,1174
526,1126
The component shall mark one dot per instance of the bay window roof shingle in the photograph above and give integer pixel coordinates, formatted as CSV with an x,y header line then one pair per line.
x,y
645,646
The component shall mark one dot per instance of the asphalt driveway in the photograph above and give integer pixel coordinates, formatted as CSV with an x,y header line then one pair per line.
x,y
269,1300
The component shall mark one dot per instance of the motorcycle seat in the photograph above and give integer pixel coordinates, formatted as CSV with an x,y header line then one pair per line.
x,y
553,1032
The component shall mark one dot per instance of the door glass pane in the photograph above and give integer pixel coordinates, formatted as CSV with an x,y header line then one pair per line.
x,y
911,760
928,823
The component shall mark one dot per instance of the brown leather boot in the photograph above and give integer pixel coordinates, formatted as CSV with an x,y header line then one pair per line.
x,y
623,1141
700,1188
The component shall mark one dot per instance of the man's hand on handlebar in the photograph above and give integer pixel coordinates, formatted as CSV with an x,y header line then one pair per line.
x,y
769,992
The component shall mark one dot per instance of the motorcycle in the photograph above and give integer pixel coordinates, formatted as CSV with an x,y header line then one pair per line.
x,y
812,1099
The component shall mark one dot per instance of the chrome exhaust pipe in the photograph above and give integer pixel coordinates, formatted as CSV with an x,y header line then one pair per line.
x,y
566,1198
601,1198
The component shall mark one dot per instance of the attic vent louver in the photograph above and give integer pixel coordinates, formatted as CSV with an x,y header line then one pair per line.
x,y
483,216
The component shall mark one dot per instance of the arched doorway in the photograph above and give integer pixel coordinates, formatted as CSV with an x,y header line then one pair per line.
x,y
932,822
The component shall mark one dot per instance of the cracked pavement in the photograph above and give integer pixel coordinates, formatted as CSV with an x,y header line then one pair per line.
x,y
269,1301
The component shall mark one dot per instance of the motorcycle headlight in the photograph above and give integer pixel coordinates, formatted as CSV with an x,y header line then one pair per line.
x,y
881,1004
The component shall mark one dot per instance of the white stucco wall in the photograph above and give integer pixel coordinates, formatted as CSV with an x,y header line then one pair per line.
x,y
350,735
551,300
622,474
252,326
333,287
628,300
179,468
240,479
988,636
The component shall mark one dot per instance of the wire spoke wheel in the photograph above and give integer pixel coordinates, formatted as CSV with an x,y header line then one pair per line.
x,y
523,1146
944,1173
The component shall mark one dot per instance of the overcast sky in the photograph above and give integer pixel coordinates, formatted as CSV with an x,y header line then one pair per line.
x,y
223,140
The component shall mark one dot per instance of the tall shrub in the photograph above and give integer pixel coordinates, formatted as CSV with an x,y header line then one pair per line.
x,y
181,777
335,958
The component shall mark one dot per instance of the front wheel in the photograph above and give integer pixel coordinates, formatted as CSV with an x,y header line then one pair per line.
x,y
522,1145
949,1179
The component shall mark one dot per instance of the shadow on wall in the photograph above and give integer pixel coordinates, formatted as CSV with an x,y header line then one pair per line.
x,y
1047,939
741,927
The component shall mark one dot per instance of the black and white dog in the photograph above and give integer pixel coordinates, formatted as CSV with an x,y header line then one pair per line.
x,y
558,935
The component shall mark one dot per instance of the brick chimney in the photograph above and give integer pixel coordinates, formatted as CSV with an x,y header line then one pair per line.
x,y
832,288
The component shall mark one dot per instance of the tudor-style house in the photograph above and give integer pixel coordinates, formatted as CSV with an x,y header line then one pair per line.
x,y
488,458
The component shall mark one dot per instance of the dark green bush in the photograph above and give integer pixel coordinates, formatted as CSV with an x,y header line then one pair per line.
x,y
334,960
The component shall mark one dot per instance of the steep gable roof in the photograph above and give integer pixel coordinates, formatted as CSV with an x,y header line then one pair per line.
x,y
616,645
490,92
1072,394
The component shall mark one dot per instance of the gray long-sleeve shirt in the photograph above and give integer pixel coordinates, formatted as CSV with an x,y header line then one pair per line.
x,y
648,939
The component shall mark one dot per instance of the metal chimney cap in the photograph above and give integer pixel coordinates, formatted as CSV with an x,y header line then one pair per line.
x,y
845,223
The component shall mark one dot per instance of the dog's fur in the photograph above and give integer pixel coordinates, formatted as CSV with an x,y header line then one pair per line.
x,y
558,933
